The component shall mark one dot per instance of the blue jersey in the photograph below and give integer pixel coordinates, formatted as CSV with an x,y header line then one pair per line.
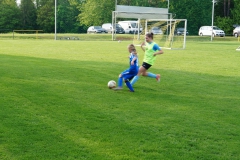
x,y
133,68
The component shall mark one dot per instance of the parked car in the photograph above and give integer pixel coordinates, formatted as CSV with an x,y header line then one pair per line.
x,y
180,31
96,29
236,32
130,26
156,30
108,27
208,31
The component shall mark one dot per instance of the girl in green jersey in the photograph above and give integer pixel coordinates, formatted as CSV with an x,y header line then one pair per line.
x,y
151,51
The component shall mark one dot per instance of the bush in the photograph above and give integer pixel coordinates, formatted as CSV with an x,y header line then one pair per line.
x,y
225,23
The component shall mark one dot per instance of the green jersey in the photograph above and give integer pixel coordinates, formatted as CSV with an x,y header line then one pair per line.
x,y
150,49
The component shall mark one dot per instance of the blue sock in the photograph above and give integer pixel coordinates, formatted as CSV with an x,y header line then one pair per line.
x,y
151,75
129,86
134,80
120,82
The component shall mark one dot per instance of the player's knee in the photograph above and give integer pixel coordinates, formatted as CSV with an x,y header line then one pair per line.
x,y
144,74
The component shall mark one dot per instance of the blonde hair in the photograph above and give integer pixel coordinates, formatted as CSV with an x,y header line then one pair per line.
x,y
132,47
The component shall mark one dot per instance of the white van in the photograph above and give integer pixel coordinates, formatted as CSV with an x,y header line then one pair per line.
x,y
207,31
130,26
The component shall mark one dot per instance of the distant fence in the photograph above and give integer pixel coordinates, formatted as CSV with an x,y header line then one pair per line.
x,y
28,31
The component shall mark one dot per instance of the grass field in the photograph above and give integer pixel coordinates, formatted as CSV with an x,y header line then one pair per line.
x,y
55,103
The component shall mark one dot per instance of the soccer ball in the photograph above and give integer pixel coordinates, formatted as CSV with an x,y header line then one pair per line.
x,y
111,84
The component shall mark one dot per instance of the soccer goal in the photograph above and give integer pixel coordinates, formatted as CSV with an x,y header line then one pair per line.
x,y
168,33
238,49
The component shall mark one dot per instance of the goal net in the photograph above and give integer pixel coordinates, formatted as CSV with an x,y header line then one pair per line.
x,y
238,49
168,33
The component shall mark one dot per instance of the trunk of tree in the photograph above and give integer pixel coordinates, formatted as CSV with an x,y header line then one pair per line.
x,y
228,11
224,8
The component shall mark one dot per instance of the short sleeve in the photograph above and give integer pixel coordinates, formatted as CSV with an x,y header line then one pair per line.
x,y
156,47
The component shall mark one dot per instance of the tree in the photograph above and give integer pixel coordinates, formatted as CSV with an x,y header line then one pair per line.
x,y
28,14
77,27
224,15
236,12
45,16
96,12
67,13
223,23
226,8
9,15
197,13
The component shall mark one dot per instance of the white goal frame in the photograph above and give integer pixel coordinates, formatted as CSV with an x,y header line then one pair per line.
x,y
147,14
171,33
238,49
139,13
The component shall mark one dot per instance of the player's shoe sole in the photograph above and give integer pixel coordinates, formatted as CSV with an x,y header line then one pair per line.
x,y
158,77
117,89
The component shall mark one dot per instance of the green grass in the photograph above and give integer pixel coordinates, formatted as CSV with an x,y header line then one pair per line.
x,y
101,37
55,103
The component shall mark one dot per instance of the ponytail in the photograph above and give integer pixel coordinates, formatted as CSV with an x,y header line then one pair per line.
x,y
150,35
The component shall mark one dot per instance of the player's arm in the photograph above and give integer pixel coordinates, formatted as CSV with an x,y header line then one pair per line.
x,y
157,49
134,59
143,44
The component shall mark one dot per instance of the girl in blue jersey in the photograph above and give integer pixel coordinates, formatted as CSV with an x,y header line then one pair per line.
x,y
132,71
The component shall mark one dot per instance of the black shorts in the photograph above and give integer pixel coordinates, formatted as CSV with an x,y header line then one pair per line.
x,y
146,65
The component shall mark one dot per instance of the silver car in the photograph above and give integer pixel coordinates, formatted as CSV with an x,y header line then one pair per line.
x,y
156,30
96,29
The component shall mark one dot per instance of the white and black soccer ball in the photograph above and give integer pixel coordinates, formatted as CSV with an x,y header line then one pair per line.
x,y
111,84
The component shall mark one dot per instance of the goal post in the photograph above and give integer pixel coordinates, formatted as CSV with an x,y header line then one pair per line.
x,y
144,19
169,33
238,49
135,13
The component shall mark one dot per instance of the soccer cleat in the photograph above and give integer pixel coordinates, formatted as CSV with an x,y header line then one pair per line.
x,y
117,88
158,77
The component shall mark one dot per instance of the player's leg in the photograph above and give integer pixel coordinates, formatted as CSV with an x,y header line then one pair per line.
x,y
149,74
129,85
120,83
152,75
120,80
140,72
127,81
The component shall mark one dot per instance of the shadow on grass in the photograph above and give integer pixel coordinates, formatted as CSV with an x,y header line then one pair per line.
x,y
71,98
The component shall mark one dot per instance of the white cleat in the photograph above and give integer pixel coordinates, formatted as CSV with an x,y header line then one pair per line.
x,y
158,77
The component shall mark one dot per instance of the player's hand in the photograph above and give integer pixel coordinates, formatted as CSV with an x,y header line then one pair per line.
x,y
132,63
143,44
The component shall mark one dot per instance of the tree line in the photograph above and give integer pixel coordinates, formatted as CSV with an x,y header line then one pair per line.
x,y
75,16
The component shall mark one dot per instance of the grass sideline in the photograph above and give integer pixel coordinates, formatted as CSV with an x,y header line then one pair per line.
x,y
99,37
56,105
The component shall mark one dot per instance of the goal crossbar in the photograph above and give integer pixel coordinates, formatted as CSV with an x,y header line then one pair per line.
x,y
171,24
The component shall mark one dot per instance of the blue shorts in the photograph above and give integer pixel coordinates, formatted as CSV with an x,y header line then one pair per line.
x,y
127,75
